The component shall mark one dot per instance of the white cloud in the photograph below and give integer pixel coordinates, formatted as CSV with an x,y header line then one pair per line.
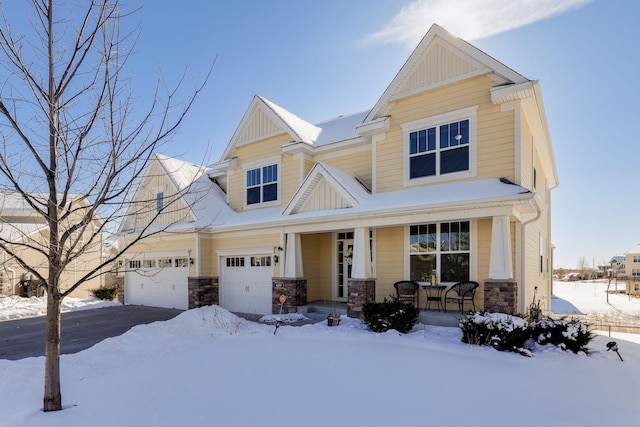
x,y
468,19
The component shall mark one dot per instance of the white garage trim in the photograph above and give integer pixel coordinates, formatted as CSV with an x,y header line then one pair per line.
x,y
157,279
245,286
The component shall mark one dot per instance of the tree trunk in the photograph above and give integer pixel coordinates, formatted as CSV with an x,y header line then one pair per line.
x,y
52,395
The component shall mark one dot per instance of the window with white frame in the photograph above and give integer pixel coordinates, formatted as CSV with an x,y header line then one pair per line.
x,y
635,272
444,247
636,258
262,184
159,201
441,145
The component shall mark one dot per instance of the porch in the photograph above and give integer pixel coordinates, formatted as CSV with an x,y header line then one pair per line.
x,y
317,311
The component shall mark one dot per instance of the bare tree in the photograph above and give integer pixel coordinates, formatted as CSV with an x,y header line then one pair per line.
x,y
74,147
583,268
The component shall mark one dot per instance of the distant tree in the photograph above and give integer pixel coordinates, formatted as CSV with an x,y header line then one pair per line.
x,y
583,268
70,132
561,273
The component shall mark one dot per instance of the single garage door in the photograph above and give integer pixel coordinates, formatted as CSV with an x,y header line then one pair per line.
x,y
157,282
246,283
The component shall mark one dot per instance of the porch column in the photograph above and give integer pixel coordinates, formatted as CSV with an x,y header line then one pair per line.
x,y
361,262
361,287
292,285
293,257
500,266
501,289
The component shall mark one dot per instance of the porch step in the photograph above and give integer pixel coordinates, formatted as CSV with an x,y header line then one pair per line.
x,y
440,318
319,310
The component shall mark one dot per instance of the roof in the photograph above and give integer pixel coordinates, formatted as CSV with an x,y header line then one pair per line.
x,y
634,250
447,196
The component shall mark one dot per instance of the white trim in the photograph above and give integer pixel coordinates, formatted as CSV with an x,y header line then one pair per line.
x,y
259,164
473,246
470,113
263,250
149,255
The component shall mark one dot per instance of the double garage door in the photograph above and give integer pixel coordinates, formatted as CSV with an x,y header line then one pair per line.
x,y
160,281
157,282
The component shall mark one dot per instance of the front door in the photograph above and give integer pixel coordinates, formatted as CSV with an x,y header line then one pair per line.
x,y
343,260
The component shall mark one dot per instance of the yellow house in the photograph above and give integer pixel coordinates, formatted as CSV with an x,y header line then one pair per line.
x,y
24,230
448,174
632,258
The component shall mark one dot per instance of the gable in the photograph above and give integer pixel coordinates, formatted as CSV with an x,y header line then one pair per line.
x,y
259,125
264,119
438,60
440,64
326,188
322,196
143,209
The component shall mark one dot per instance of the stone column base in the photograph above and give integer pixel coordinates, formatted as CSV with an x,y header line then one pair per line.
x,y
119,282
203,291
295,289
359,292
501,296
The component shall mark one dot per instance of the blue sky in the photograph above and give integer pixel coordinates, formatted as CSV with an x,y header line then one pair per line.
x,y
321,59
327,58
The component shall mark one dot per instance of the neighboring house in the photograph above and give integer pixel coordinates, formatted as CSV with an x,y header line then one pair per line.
x,y
22,227
617,266
632,260
451,170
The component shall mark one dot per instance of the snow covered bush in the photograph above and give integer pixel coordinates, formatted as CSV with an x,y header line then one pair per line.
x,y
501,331
390,314
569,335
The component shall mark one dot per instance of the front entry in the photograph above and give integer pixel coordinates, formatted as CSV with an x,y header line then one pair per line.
x,y
343,261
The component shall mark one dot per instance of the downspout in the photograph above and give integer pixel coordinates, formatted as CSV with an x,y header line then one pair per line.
x,y
523,270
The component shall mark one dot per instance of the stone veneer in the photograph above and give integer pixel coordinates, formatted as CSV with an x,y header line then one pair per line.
x,y
119,282
501,296
203,291
360,291
295,289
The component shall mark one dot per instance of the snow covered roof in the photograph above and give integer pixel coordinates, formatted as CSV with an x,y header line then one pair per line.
x,y
302,130
634,250
13,232
339,129
218,216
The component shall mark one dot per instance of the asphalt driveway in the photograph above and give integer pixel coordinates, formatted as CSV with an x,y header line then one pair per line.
x,y
80,329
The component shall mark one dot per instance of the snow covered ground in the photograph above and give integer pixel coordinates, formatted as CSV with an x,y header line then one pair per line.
x,y
13,307
208,367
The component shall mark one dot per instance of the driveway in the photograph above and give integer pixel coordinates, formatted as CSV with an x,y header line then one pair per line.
x,y
80,329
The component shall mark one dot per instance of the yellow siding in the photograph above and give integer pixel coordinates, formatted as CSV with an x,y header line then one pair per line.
x,y
166,243
207,257
316,255
232,243
323,197
495,130
357,164
256,152
390,259
175,210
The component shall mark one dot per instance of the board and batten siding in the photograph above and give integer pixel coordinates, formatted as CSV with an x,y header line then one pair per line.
x,y
145,209
258,125
495,131
324,196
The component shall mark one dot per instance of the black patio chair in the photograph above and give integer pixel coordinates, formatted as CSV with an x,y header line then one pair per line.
x,y
461,292
407,291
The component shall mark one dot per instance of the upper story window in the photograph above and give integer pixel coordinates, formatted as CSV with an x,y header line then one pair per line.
x,y
159,201
636,258
440,147
262,185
